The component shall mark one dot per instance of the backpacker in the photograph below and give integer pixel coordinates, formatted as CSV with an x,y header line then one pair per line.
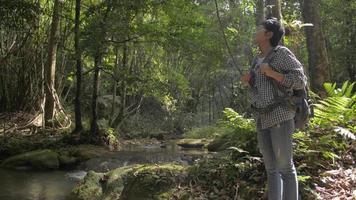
x,y
293,99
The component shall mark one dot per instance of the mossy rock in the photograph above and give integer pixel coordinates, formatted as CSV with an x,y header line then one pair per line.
x,y
131,182
151,181
66,160
39,159
14,146
90,188
192,143
113,183
103,186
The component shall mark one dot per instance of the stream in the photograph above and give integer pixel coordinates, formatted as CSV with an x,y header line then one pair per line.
x,y
57,185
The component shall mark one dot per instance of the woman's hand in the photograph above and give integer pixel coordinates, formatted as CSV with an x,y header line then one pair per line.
x,y
245,79
266,70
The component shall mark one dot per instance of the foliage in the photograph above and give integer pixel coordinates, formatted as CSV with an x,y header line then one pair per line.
x,y
329,142
241,134
317,150
225,177
338,110
237,121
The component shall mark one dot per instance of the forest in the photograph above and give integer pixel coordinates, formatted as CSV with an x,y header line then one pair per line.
x,y
142,99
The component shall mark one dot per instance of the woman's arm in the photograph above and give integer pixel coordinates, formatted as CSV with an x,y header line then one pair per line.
x,y
285,60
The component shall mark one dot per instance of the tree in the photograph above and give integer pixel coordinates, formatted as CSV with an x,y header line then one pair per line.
x,y
77,104
99,49
317,55
51,97
260,14
94,129
274,9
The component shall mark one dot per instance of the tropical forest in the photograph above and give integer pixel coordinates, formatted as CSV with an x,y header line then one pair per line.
x,y
144,99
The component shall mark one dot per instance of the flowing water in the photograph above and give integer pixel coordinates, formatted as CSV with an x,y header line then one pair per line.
x,y
56,185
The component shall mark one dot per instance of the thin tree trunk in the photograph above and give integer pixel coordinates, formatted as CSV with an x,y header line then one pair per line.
x,y
260,14
51,66
317,55
77,104
274,9
117,62
351,47
94,129
121,113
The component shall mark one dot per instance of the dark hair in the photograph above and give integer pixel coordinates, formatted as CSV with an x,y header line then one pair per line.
x,y
274,26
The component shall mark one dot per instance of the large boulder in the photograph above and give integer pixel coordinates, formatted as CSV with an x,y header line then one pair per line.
x,y
90,188
130,182
152,182
39,159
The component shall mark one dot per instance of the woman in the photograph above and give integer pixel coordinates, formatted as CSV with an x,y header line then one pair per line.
x,y
275,65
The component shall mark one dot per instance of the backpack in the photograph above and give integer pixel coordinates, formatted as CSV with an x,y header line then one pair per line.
x,y
294,99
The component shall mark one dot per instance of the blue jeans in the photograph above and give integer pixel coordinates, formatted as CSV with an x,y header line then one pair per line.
x,y
275,144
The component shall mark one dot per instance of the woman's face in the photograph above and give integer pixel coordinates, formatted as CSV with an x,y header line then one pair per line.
x,y
261,35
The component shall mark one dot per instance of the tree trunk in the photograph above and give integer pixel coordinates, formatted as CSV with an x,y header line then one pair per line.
x,y
77,105
94,129
317,55
122,88
351,46
274,9
50,92
260,14
116,74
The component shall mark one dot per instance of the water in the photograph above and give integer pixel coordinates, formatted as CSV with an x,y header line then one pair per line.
x,y
30,185
141,154
57,185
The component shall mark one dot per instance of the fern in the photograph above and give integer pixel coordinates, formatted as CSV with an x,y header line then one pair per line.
x,y
338,109
346,89
335,109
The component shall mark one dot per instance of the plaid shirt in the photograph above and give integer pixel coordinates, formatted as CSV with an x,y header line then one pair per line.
x,y
285,62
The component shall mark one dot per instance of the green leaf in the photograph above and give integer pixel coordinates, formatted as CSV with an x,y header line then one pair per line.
x,y
348,92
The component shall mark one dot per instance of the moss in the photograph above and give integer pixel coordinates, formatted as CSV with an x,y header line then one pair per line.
x,y
90,188
151,181
39,159
114,183
131,182
66,160
14,146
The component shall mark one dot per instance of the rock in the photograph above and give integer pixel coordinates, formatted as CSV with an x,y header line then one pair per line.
x,y
152,181
113,182
130,182
39,159
12,146
66,160
90,188
106,186
192,143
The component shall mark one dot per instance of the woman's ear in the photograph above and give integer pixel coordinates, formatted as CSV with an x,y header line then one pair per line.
x,y
269,34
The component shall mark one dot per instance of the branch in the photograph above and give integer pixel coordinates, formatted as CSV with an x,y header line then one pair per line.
x,y
225,39
12,49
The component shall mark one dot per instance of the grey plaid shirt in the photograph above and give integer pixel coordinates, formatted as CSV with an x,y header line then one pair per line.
x,y
285,62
